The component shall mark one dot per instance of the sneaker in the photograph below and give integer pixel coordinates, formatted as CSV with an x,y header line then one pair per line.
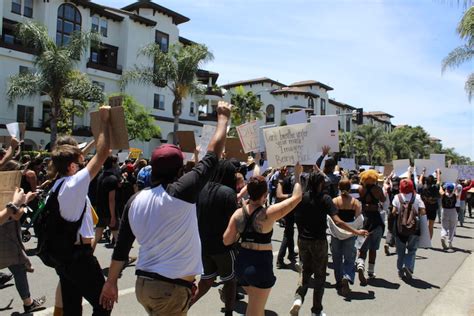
x,y
319,314
36,305
362,279
280,265
293,257
408,273
401,275
238,296
371,275
345,290
295,309
450,245
5,278
386,248
443,243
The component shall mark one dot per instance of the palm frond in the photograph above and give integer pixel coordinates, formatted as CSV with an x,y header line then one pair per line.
x,y
143,75
465,27
23,85
80,42
79,87
469,86
35,35
458,56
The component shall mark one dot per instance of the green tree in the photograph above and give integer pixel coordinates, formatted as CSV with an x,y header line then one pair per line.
x,y
140,124
464,52
246,108
175,69
410,142
55,74
373,141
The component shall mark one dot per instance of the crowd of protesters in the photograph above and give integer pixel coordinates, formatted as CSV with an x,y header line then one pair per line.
x,y
214,218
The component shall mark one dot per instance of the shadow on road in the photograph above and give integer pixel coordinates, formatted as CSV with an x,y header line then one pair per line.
x,y
4,286
360,296
464,237
8,307
377,282
241,307
420,284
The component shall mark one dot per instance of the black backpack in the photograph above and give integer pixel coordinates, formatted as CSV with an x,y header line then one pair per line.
x,y
56,236
407,220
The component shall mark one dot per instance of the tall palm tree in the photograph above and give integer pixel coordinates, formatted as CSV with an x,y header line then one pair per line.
x,y
55,74
246,107
373,140
464,52
175,69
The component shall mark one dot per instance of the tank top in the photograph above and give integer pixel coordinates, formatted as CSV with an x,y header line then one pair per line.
x,y
249,234
449,201
372,218
347,215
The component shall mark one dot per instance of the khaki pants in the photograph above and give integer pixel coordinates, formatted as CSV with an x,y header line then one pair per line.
x,y
162,298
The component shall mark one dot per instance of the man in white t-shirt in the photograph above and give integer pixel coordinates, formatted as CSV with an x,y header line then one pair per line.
x,y
407,245
82,278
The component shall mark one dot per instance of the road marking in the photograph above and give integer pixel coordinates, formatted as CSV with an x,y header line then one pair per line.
x,y
50,310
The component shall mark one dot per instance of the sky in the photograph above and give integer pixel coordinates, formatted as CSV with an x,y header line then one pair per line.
x,y
381,55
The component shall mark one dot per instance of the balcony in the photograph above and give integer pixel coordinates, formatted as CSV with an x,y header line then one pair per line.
x,y
207,117
115,70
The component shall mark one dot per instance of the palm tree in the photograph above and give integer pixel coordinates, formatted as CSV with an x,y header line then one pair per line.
x,y
465,52
372,139
55,74
175,69
246,107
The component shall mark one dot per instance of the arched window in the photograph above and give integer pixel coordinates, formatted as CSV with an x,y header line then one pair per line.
x,y
311,103
270,114
69,20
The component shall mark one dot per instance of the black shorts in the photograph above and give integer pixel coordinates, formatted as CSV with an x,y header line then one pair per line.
x,y
105,222
431,212
221,265
255,268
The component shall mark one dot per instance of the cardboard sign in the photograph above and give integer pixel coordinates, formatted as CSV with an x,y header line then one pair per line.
x,y
465,172
428,164
117,128
287,145
234,149
347,163
206,136
400,167
261,139
10,181
296,118
441,158
187,141
248,135
327,131
116,101
135,153
387,169
449,175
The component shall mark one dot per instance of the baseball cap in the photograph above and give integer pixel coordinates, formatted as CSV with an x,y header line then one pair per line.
x,y
166,160
449,186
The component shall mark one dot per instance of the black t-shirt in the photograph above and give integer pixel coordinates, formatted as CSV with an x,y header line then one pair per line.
x,y
311,216
106,183
215,206
430,196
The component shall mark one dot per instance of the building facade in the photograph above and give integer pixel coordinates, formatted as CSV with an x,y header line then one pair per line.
x,y
123,32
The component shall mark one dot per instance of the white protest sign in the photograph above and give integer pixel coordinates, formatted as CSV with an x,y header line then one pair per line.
x,y
287,145
380,169
296,118
327,131
347,163
400,167
248,135
261,138
428,164
449,175
14,130
206,136
465,172
122,156
441,158
366,167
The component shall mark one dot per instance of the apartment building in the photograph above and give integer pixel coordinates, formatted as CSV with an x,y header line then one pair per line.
x,y
379,119
124,31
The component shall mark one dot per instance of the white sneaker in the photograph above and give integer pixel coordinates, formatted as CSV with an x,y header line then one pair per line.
x,y
443,243
295,309
320,314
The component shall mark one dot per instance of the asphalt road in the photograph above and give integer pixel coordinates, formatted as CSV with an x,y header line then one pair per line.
x,y
385,295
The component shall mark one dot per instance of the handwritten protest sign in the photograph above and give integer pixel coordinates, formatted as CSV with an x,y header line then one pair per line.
x,y
400,167
206,136
327,131
387,169
465,172
187,141
14,130
428,164
296,118
248,134
261,138
449,175
10,181
440,158
234,149
286,145
117,128
347,163
135,153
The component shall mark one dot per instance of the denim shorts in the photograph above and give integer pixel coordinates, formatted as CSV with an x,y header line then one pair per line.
x,y
255,268
373,240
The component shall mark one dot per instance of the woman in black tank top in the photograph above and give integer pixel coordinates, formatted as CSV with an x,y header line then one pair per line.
x,y
342,249
254,224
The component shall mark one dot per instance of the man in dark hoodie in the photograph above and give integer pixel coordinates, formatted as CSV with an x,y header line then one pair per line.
x,y
216,204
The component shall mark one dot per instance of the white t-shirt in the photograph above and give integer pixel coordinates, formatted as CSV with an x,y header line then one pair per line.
x,y
406,198
71,198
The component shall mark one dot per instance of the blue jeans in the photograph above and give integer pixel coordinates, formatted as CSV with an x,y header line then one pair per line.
x,y
406,252
343,257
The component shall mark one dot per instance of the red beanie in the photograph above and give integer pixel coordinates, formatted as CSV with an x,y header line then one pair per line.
x,y
406,186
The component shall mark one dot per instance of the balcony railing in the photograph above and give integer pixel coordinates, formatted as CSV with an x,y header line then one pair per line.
x,y
17,47
117,70
209,117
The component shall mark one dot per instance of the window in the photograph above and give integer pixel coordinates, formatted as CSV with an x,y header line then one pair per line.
x,y
16,6
259,97
103,27
105,55
323,107
69,20
159,102
25,114
25,70
192,111
270,114
46,119
101,85
28,9
99,26
338,111
162,39
311,103
95,24
348,123
339,125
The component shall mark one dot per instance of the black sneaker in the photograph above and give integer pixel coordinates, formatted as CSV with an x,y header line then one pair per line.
x,y
345,290
280,265
362,279
5,278
36,305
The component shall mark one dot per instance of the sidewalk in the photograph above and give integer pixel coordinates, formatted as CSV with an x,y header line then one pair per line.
x,y
457,297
